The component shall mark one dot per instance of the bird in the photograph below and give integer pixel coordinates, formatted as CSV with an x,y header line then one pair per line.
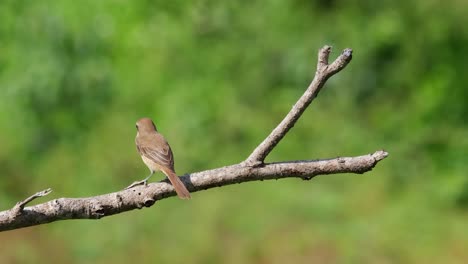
x,y
157,155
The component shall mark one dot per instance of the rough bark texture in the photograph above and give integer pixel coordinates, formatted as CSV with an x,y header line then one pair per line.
x,y
252,169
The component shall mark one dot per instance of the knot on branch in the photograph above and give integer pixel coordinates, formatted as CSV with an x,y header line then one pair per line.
x,y
97,210
148,202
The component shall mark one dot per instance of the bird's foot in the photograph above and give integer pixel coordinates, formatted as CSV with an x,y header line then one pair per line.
x,y
142,182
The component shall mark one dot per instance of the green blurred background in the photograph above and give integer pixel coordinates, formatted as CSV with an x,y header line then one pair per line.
x,y
217,76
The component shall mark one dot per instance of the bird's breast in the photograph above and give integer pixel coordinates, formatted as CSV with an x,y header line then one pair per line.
x,y
153,166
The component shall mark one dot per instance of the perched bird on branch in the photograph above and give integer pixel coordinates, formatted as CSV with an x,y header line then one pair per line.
x,y
157,155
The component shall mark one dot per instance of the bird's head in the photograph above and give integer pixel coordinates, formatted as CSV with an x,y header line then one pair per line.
x,y
145,124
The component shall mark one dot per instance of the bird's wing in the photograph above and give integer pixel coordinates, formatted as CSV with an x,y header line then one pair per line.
x,y
161,155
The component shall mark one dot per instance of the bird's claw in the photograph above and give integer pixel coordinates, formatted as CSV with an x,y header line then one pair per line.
x,y
142,182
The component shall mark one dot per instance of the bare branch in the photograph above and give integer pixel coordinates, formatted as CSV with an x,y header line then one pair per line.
x,y
324,71
145,196
252,169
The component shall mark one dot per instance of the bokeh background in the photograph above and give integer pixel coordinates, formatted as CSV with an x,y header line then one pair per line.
x,y
217,76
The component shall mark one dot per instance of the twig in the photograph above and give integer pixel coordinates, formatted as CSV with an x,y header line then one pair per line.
x,y
18,209
250,170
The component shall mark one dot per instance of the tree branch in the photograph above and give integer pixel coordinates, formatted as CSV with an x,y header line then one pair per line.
x,y
252,169
324,71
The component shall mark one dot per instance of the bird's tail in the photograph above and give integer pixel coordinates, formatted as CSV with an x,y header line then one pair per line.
x,y
179,186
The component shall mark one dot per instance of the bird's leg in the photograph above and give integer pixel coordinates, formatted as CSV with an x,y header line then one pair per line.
x,y
147,178
142,182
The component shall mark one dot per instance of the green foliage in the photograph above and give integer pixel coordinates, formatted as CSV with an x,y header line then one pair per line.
x,y
217,77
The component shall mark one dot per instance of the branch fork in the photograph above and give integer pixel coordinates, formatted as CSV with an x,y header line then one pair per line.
x,y
19,207
324,71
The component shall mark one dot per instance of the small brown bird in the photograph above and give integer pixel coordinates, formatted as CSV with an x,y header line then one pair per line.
x,y
157,155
